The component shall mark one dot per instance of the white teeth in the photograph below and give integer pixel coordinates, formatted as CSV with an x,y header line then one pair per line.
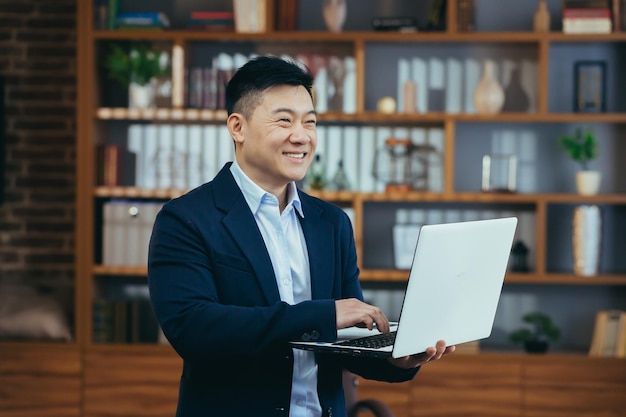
x,y
295,155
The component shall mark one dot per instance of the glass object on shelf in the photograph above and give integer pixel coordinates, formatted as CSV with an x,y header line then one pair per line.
x,y
316,177
402,165
340,180
499,173
405,232
586,239
519,257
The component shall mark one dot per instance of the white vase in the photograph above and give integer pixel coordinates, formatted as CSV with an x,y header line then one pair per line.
x,y
586,239
588,182
489,95
140,96
334,14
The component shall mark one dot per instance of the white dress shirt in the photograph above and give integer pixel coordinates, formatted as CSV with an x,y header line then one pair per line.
x,y
287,248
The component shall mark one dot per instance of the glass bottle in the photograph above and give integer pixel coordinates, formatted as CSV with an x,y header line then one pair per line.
x,y
316,178
340,179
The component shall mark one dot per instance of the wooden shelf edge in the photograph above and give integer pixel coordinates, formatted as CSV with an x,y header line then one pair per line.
x,y
412,196
38,345
143,348
129,271
394,275
359,36
370,117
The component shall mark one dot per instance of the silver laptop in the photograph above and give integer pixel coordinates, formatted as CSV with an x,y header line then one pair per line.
x,y
452,293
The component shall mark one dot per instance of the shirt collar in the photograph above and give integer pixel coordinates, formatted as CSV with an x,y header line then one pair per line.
x,y
254,194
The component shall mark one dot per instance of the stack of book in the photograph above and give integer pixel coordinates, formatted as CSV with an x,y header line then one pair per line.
x,y
587,16
142,20
212,21
609,334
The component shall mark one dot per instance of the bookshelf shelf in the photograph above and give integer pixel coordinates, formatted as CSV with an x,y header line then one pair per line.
x,y
423,119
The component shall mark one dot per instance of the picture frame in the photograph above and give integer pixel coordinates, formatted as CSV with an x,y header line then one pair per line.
x,y
590,86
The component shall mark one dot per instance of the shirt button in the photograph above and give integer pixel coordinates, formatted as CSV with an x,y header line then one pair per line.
x,y
286,282
299,403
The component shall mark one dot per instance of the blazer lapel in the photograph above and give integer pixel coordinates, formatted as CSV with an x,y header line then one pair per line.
x,y
318,234
242,227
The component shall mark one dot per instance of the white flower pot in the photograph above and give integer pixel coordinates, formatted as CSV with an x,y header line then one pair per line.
x,y
588,182
140,96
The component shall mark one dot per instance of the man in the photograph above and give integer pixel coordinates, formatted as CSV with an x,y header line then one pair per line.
x,y
241,265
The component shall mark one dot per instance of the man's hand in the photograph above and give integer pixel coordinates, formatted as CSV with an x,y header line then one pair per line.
x,y
353,312
431,354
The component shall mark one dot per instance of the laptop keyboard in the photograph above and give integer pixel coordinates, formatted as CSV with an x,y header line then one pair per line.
x,y
373,342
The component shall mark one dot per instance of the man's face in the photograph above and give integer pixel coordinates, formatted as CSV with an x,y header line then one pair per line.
x,y
278,141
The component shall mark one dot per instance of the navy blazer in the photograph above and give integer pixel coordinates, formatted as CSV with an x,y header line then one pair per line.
x,y
215,295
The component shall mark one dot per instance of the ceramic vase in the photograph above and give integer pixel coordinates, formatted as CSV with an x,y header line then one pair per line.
x,y
489,95
586,239
541,19
334,14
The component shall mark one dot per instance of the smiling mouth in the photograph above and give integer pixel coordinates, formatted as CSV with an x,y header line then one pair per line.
x,y
295,155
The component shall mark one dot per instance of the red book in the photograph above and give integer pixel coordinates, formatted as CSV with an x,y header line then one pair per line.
x,y
584,13
212,15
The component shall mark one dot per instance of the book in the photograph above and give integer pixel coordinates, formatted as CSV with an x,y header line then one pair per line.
x,y
608,333
142,19
616,12
286,15
620,346
112,11
587,13
587,25
586,4
115,165
466,21
210,15
102,321
400,23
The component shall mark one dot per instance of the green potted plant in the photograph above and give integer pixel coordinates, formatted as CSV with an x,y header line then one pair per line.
x,y
138,69
537,338
582,147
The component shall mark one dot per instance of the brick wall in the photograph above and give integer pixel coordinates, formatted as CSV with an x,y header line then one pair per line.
x,y
38,61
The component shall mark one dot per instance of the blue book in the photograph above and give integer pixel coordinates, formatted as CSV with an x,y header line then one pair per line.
x,y
143,19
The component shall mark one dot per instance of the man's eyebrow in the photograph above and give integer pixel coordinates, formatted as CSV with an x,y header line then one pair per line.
x,y
291,111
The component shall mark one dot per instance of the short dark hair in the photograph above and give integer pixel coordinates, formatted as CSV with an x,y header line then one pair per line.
x,y
243,91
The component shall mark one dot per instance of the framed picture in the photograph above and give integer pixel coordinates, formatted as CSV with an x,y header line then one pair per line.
x,y
590,86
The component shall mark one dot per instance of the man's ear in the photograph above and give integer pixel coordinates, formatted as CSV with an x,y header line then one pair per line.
x,y
236,126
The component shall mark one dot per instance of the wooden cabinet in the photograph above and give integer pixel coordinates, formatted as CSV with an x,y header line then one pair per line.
x,y
508,385
39,380
131,382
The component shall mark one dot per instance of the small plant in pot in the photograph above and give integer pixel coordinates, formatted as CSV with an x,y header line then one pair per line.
x,y
582,147
537,338
138,67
